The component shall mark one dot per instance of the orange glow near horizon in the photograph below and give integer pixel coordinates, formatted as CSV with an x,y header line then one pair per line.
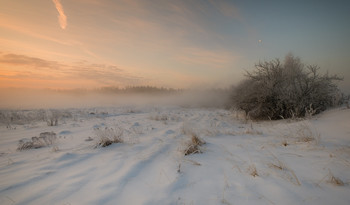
x,y
121,49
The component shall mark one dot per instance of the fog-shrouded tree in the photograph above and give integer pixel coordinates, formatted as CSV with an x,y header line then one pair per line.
x,y
276,90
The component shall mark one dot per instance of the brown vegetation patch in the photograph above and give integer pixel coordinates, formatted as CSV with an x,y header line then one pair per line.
x,y
193,145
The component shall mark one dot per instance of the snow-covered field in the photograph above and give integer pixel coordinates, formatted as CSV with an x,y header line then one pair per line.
x,y
270,162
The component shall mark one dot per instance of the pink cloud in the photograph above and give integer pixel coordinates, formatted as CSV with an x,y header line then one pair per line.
x,y
62,18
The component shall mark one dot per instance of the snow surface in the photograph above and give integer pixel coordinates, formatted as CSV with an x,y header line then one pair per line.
x,y
270,162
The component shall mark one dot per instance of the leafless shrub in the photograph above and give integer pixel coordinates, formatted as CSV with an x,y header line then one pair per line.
x,y
276,90
109,136
309,112
52,117
240,115
20,117
25,144
193,146
48,137
159,117
45,139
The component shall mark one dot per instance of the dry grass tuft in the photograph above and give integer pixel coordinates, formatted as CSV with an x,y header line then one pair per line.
x,y
305,134
109,136
286,172
197,141
55,149
193,146
252,170
300,133
45,139
280,167
252,131
25,144
334,180
285,143
159,117
193,162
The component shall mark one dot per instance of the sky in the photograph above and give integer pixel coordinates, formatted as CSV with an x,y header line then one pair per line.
x,y
69,44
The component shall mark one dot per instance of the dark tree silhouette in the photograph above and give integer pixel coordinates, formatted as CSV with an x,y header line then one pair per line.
x,y
276,90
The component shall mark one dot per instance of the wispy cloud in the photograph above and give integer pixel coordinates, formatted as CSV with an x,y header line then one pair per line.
x,y
22,68
212,59
62,18
165,41
16,26
22,60
227,8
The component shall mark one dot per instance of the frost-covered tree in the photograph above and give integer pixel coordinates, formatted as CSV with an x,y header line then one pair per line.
x,y
275,90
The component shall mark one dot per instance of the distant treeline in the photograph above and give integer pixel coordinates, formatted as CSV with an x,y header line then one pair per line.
x,y
118,90
138,90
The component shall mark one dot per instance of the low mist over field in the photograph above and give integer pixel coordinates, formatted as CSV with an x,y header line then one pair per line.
x,y
37,99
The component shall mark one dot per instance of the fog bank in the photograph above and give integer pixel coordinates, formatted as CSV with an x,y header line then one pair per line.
x,y
13,98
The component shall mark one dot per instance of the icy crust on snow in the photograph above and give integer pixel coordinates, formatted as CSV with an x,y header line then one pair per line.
x,y
242,162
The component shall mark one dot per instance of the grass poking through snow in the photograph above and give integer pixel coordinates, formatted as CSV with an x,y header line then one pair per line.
x,y
109,136
285,172
45,139
193,146
334,180
252,170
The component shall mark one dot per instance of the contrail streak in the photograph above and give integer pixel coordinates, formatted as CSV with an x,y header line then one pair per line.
x,y
62,18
